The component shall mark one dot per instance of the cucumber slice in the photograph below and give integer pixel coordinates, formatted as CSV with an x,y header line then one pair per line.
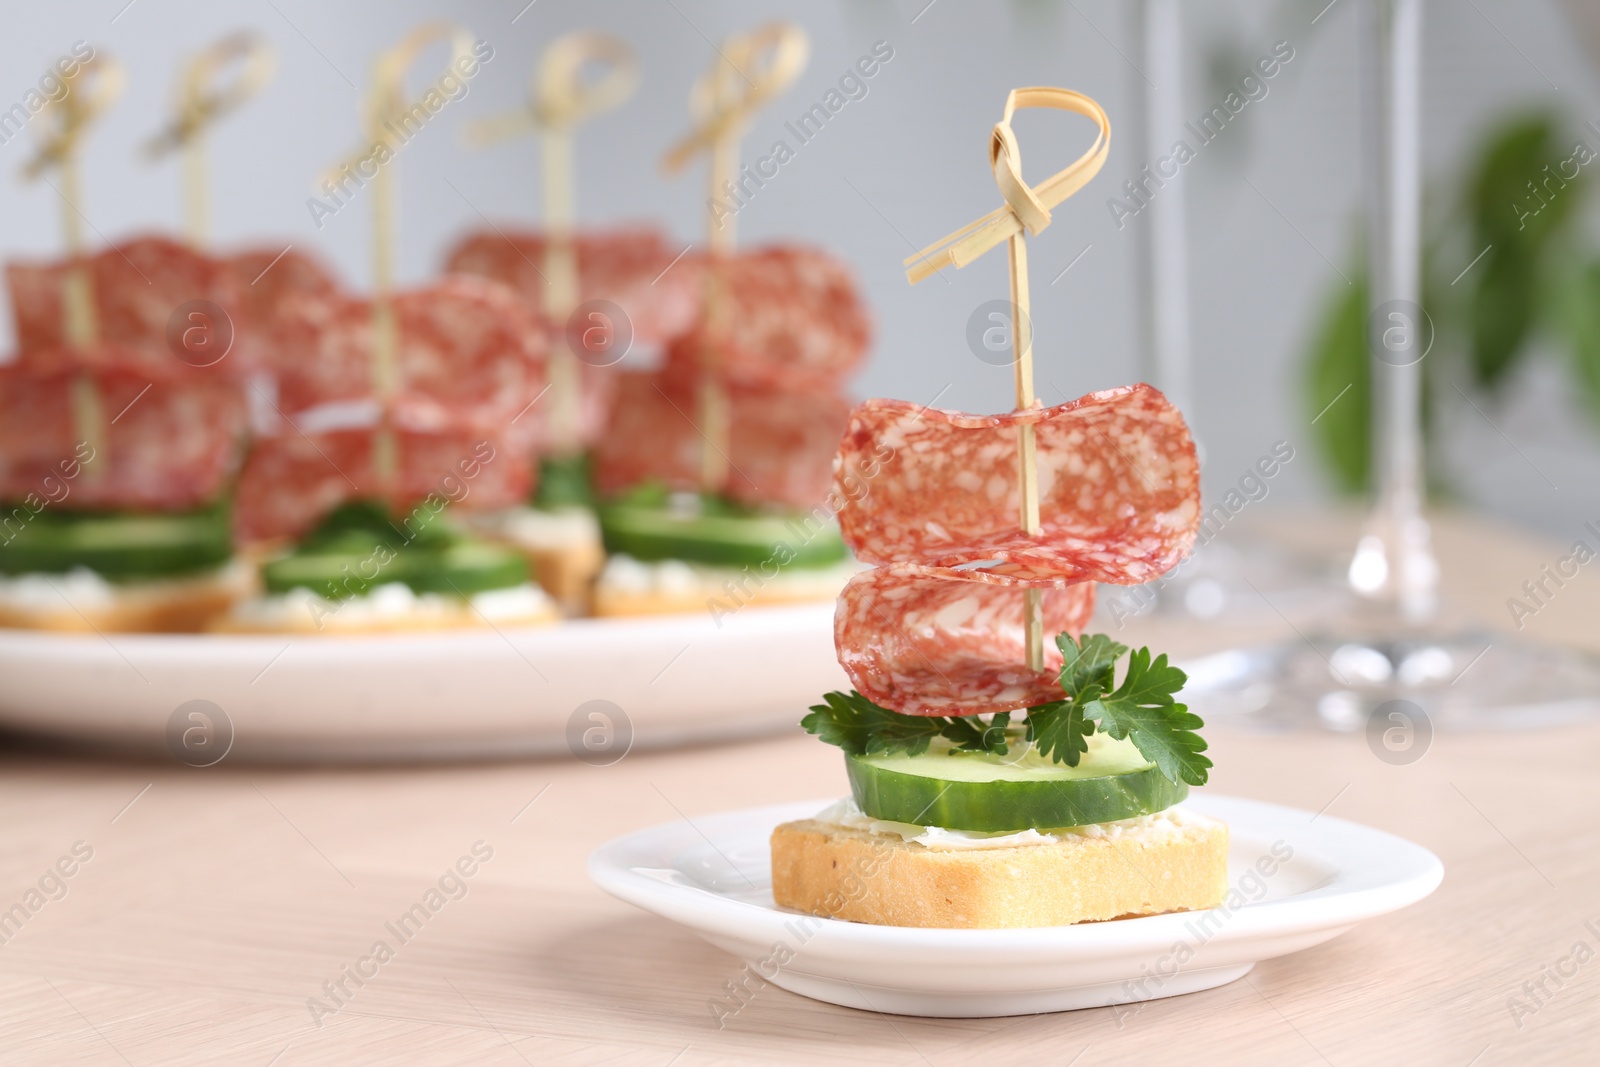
x,y
120,546
981,792
334,574
656,533
462,568
467,568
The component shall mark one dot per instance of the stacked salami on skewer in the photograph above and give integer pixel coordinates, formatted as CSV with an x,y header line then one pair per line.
x,y
715,468
782,333
395,408
469,357
121,419
118,447
938,626
359,477
602,294
988,530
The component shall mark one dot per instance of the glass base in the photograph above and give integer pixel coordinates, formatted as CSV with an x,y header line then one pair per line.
x,y
1353,681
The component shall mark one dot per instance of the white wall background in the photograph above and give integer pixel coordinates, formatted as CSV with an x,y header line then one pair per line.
x,y
891,172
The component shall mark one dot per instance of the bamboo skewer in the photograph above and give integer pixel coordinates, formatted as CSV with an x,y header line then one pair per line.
x,y
80,105
1026,210
385,112
560,99
1027,460
200,103
750,69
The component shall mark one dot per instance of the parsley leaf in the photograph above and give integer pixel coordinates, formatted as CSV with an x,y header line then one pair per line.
x,y
862,728
972,734
1061,730
1142,709
1090,662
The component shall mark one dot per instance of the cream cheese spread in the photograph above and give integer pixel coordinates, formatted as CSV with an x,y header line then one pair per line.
x,y
844,813
393,600
87,590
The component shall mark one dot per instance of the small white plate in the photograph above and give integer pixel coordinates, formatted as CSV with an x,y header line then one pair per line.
x,y
714,876
443,695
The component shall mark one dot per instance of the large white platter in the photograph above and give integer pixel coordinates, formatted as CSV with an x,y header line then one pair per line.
x,y
450,695
713,875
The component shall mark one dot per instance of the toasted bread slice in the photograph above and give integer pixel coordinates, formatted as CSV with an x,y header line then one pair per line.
x,y
166,605
611,602
567,572
1172,861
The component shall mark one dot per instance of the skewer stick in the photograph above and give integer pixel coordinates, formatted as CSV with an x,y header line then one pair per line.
x,y
388,116
1026,210
81,324
560,98
721,237
750,69
200,103
1027,459
1022,346
81,104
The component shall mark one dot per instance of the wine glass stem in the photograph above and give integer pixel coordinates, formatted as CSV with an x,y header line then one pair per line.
x,y
1394,563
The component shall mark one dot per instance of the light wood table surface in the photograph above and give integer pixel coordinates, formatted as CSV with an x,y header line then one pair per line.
x,y
217,902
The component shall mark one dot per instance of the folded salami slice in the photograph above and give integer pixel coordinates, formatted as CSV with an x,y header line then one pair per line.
x,y
267,277
266,280
778,317
291,481
937,642
171,441
1119,488
634,268
137,286
780,443
463,343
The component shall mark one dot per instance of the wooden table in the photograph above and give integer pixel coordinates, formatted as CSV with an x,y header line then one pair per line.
x,y
218,902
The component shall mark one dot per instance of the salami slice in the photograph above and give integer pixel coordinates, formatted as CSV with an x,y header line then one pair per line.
x,y
778,317
464,343
634,268
1119,488
938,642
778,451
171,441
136,285
266,278
294,479
266,281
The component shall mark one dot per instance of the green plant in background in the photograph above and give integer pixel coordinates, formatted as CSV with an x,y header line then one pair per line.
x,y
1519,206
1581,310
1341,386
